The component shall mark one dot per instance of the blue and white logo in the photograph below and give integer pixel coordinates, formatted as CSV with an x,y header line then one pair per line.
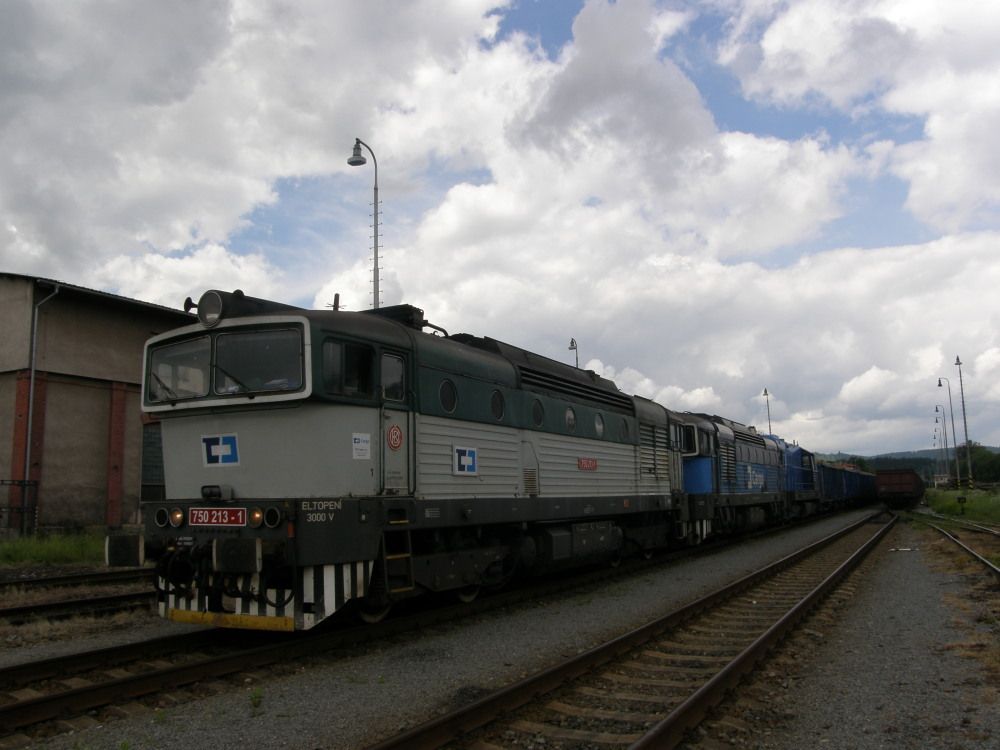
x,y
220,450
464,463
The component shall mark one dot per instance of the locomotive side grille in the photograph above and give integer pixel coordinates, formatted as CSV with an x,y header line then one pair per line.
x,y
531,482
531,378
727,463
654,452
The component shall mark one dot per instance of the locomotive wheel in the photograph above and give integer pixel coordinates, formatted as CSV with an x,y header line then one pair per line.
x,y
372,612
468,594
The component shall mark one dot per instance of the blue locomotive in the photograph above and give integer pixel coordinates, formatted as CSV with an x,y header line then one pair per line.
x,y
316,460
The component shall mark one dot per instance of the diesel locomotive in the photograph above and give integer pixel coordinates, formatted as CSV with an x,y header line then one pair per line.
x,y
320,459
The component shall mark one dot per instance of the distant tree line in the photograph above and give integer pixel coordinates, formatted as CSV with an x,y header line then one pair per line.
x,y
985,464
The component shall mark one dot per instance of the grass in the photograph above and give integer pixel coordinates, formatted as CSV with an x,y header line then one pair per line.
x,y
256,698
980,505
54,549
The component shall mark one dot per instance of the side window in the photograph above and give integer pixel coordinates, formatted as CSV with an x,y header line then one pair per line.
x,y
347,368
333,365
570,419
393,380
706,443
689,442
448,394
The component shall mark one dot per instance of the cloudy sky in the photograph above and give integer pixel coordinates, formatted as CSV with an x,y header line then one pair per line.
x,y
711,197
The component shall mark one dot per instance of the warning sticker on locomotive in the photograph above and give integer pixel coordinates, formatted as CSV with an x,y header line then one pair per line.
x,y
464,461
362,446
394,437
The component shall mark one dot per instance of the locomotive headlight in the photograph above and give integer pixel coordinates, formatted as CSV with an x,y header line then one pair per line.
x,y
272,518
210,308
161,518
176,517
256,518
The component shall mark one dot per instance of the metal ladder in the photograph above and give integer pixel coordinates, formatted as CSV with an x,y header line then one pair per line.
x,y
398,558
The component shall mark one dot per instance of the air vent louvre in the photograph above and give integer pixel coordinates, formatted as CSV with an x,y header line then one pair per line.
x,y
577,391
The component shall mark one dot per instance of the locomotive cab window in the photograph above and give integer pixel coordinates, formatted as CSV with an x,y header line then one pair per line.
x,y
393,380
256,361
348,369
179,371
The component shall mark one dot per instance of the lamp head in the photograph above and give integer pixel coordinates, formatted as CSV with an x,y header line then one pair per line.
x,y
357,158
958,362
939,382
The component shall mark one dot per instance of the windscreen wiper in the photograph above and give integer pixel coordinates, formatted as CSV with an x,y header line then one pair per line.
x,y
235,379
166,388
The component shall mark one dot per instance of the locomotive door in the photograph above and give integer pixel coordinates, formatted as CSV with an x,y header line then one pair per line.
x,y
397,426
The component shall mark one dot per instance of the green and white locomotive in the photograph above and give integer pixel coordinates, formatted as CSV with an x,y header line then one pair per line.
x,y
315,459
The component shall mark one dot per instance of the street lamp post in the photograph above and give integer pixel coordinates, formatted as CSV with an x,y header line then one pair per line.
x,y
954,438
965,421
944,430
767,400
936,446
357,159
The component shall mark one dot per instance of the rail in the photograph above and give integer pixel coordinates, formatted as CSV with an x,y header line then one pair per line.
x,y
671,727
989,565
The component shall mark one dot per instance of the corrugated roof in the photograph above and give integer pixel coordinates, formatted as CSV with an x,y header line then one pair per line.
x,y
97,293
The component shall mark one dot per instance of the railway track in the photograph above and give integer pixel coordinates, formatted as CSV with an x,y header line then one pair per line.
x,y
648,687
994,547
91,578
34,695
107,597
93,605
961,523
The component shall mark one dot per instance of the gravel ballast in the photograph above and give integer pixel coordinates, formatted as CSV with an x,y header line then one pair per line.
x,y
889,672
351,701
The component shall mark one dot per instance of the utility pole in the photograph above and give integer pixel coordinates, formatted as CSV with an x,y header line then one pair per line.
x,y
965,421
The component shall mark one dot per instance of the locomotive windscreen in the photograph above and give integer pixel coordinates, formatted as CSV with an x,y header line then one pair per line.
x,y
226,363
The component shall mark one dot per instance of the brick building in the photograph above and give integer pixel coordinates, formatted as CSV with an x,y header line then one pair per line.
x,y
79,353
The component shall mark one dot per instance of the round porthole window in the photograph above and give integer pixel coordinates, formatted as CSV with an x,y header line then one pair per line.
x,y
497,405
570,419
599,425
449,396
537,413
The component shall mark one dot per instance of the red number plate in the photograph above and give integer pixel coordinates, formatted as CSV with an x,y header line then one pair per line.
x,y
217,516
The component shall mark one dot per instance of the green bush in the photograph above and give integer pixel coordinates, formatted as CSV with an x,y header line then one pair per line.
x,y
980,505
55,549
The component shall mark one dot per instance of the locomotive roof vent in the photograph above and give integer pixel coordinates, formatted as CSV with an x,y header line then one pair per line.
x,y
215,305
